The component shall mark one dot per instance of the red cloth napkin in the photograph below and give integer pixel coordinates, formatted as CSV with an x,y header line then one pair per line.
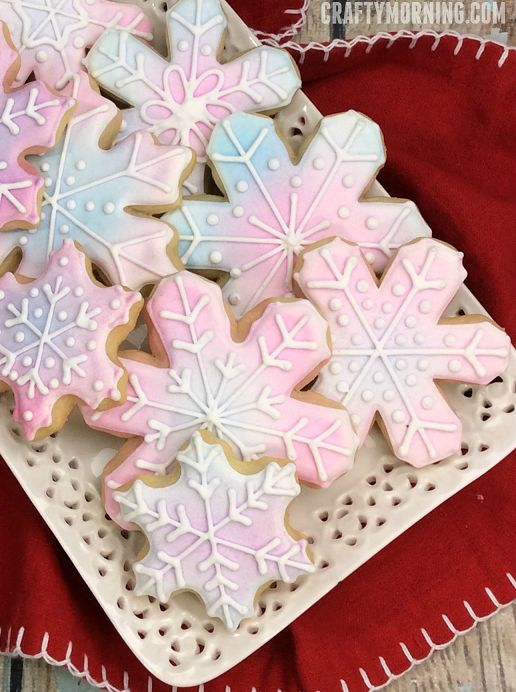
x,y
448,118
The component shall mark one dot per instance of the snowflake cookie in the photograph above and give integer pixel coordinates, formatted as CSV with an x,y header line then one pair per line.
x,y
98,197
59,337
217,527
181,99
53,35
30,121
276,206
390,343
241,381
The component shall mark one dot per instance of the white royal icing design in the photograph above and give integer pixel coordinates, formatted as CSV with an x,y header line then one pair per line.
x,y
46,329
276,207
242,391
180,101
389,345
53,35
89,192
216,531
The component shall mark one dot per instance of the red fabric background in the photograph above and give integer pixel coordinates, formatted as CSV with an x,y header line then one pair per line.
x,y
448,122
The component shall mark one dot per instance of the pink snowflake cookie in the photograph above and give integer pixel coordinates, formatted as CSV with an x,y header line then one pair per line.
x,y
240,381
180,99
53,35
275,206
30,121
390,343
57,343
104,197
217,528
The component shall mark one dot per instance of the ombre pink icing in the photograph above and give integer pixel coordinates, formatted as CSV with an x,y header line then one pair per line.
x,y
180,99
29,121
54,35
242,391
275,207
104,198
390,342
53,336
216,532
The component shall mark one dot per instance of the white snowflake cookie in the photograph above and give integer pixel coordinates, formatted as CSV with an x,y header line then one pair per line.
x,y
217,527
31,119
181,98
390,342
241,381
103,197
53,35
276,206
59,337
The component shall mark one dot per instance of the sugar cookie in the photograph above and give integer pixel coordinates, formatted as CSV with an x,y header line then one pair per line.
x,y
31,119
53,36
276,206
241,381
102,197
216,527
59,339
390,343
180,99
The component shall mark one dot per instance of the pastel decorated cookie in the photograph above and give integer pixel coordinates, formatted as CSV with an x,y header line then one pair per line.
x,y
59,337
30,121
241,381
390,342
103,197
276,206
53,35
216,527
181,98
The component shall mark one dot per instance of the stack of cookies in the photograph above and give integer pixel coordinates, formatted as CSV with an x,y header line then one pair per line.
x,y
287,311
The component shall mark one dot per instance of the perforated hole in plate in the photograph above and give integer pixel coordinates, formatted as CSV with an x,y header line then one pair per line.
x,y
346,523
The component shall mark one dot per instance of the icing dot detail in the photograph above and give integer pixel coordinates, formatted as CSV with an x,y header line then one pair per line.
x,y
183,46
398,290
63,261
362,286
410,380
343,212
108,208
296,181
318,163
367,395
206,50
335,304
335,368
91,345
425,306
348,181
115,304
454,366
387,308
422,364
212,219
28,415
410,321
242,186
273,164
398,416
388,395
238,212
343,320
98,385
427,403
215,257
371,223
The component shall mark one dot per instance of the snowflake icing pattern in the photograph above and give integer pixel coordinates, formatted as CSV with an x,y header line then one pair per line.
x,y
89,192
53,335
277,207
241,390
53,35
389,343
29,119
180,101
216,531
